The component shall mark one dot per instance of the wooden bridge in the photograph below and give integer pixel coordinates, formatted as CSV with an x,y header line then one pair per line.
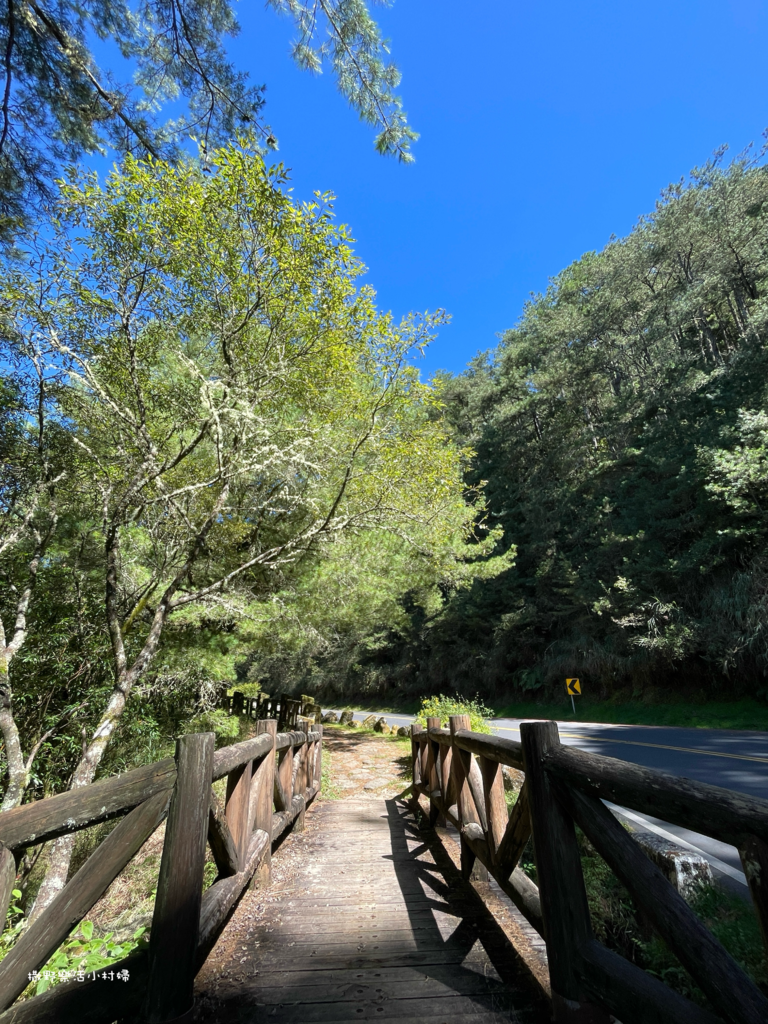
x,y
386,926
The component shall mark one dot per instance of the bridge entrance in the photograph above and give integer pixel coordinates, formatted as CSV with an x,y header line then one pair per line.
x,y
368,919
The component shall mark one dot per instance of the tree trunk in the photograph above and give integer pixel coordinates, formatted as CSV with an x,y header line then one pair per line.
x,y
61,849
18,774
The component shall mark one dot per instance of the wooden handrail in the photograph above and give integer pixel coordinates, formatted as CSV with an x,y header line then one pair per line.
x,y
459,772
711,810
58,815
241,835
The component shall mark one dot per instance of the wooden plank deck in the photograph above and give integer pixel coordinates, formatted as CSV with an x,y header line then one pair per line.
x,y
379,926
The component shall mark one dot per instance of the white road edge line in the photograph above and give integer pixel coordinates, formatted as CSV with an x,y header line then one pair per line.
x,y
714,861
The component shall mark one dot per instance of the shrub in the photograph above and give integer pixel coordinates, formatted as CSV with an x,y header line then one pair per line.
x,y
443,707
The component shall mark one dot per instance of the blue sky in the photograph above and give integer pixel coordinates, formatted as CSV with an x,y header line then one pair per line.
x,y
544,129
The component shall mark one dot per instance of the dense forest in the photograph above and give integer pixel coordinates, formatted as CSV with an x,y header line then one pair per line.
x,y
620,432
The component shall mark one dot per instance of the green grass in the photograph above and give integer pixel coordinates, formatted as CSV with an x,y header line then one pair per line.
x,y
742,714
328,788
685,711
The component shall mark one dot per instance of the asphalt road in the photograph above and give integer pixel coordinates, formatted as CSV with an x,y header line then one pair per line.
x,y
722,757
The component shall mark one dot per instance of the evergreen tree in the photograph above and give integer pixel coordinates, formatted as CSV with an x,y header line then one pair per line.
x,y
57,104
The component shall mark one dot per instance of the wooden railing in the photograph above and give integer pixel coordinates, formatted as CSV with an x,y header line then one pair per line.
x,y
286,710
460,773
271,779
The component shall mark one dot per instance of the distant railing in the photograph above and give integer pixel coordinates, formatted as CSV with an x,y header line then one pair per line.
x,y
286,710
460,773
271,779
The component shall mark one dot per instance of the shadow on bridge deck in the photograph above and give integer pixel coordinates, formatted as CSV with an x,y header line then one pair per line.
x,y
379,926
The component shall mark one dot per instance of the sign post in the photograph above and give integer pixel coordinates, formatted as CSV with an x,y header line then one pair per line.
x,y
573,688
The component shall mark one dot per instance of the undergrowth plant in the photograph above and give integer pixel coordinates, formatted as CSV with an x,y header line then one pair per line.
x,y
443,707
82,955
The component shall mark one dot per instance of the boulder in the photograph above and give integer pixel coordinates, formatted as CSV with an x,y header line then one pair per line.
x,y
346,717
370,721
403,731
353,724
380,725
330,718
686,870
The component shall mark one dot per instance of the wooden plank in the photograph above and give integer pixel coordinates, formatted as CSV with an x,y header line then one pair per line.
x,y
76,809
467,812
223,846
633,995
495,805
711,810
482,1008
176,918
44,936
230,758
516,836
237,808
564,906
754,859
732,993
283,782
262,795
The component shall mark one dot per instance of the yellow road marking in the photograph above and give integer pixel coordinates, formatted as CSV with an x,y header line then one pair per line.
x,y
659,746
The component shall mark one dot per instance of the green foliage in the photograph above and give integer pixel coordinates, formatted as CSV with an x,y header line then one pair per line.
x,y
84,954
14,923
443,707
59,104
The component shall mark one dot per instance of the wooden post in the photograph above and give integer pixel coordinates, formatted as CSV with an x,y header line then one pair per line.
x,y
433,768
754,859
262,797
238,701
561,882
470,866
176,919
300,780
318,774
415,770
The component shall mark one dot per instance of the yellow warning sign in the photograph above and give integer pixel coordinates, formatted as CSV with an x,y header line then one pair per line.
x,y
573,686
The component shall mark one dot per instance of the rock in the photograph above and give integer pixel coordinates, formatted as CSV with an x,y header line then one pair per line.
x,y
513,779
370,721
381,725
353,724
403,731
374,784
330,718
686,870
346,717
